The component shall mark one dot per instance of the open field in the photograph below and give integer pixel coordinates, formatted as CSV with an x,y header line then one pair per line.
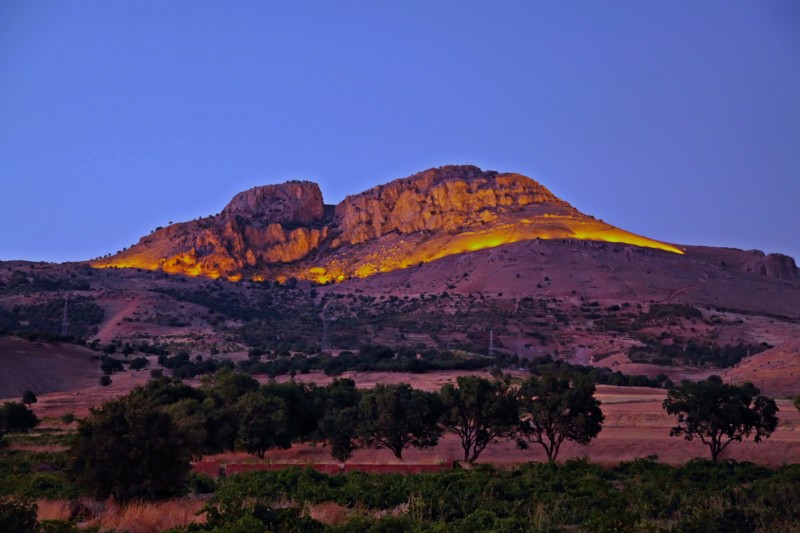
x,y
635,426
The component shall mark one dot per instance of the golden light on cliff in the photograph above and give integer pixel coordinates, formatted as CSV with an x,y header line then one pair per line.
x,y
547,228
410,251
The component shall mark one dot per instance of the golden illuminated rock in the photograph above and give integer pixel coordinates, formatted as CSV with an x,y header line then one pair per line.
x,y
445,199
281,231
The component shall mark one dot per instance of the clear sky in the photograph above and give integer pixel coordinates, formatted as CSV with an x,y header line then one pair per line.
x,y
678,120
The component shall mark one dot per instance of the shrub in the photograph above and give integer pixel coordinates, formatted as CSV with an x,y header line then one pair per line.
x,y
129,449
18,516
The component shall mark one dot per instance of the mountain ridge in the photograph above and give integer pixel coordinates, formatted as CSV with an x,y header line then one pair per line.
x,y
274,232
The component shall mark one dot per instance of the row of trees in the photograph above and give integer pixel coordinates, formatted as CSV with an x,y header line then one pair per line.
x,y
165,423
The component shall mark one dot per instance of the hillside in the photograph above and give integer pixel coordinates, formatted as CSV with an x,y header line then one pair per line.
x,y
451,259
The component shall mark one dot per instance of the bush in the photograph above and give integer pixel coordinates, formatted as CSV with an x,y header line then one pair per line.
x,y
17,516
129,449
16,417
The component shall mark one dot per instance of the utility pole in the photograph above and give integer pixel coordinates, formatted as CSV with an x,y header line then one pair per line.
x,y
491,343
65,319
325,340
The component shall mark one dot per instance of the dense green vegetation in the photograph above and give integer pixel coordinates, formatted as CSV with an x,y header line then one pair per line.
x,y
637,496
44,320
139,447
372,358
21,282
690,353
641,495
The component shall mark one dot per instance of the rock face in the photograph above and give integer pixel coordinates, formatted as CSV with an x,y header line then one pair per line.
x,y
776,266
444,199
281,231
294,202
263,225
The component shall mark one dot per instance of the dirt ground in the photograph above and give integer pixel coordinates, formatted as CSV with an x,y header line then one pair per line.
x,y
44,367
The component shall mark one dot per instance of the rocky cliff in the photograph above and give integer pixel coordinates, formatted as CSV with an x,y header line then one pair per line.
x,y
444,199
281,231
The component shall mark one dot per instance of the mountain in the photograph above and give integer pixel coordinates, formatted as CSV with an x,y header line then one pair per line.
x,y
453,257
282,231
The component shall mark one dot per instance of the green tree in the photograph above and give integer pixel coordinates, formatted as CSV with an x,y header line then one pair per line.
x,y
718,414
263,423
797,403
189,416
302,404
16,417
228,385
207,422
28,397
557,407
129,449
480,412
105,380
164,391
339,424
398,416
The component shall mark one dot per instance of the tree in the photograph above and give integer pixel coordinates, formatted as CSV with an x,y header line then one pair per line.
x,y
228,385
556,407
398,416
718,414
138,363
339,423
28,397
797,403
129,449
480,412
16,417
189,416
105,380
264,423
302,405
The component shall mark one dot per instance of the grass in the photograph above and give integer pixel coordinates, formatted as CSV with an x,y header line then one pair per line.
x,y
54,510
145,517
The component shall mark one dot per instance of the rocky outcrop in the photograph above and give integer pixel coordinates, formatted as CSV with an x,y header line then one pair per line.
x,y
441,199
263,225
294,202
278,231
777,266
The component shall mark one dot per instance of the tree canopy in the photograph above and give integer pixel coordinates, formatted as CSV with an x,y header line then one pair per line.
x,y
480,412
29,397
556,407
719,414
338,426
398,416
16,417
129,449
264,423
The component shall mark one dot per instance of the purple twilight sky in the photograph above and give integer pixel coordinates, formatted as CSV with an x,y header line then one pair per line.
x,y
677,120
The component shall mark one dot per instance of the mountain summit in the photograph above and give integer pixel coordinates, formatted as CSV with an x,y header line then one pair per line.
x,y
286,230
